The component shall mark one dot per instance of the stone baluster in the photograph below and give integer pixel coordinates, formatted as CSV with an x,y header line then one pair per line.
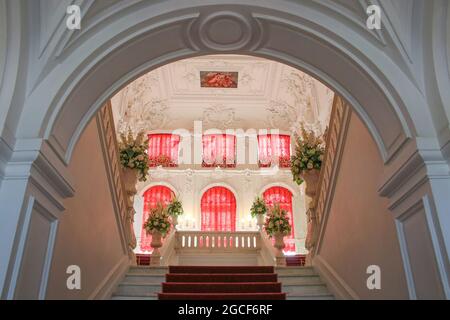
x,y
130,178
311,178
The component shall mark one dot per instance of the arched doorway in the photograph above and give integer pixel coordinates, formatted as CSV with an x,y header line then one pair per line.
x,y
153,196
218,210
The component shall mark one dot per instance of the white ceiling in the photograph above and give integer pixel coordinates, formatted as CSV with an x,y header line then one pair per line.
x,y
269,95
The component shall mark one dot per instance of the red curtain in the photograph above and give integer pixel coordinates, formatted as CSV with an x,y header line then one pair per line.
x,y
219,150
274,148
284,197
218,207
152,196
163,149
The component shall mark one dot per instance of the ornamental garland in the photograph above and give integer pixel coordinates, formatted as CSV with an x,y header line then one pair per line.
x,y
175,208
259,207
158,220
133,153
277,221
308,155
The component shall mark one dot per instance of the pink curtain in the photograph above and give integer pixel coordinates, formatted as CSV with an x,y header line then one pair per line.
x,y
163,149
274,148
284,197
219,150
152,196
218,207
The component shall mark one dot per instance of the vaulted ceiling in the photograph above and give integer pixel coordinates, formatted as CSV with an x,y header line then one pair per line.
x,y
268,95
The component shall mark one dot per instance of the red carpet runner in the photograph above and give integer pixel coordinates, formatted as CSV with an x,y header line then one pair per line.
x,y
221,283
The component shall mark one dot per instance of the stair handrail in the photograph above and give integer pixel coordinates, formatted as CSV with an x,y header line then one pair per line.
x,y
335,135
105,121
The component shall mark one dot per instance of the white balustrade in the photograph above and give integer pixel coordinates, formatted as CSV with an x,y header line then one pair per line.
x,y
216,241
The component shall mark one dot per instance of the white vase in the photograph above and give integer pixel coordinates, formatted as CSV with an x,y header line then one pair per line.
x,y
174,221
156,244
260,221
279,246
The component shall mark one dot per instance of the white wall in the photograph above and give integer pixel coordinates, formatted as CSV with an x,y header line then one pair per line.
x,y
88,234
360,230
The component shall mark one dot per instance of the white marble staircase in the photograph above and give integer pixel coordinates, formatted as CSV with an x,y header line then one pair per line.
x,y
300,283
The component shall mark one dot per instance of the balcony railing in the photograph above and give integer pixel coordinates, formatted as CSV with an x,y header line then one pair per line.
x,y
216,241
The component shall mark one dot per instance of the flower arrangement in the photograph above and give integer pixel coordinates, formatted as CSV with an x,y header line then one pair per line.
x,y
277,221
259,207
158,220
309,153
175,208
133,153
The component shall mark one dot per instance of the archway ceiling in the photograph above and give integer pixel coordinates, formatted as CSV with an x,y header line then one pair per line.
x,y
55,39
268,95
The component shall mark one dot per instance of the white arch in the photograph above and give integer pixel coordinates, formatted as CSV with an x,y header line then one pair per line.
x,y
374,89
387,88
279,184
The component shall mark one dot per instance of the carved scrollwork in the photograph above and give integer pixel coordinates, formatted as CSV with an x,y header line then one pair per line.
x,y
225,31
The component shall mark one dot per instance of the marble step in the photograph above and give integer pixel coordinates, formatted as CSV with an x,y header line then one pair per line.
x,y
312,289
148,270
303,280
291,296
144,278
137,289
148,296
295,271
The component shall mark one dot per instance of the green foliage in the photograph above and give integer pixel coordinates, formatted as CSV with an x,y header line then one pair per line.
x,y
158,220
133,153
259,207
309,153
277,221
175,208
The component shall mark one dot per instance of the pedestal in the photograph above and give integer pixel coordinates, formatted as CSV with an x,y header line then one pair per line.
x,y
279,246
156,243
311,178
130,178
260,221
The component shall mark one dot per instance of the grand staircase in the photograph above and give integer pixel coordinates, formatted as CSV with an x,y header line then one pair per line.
x,y
221,282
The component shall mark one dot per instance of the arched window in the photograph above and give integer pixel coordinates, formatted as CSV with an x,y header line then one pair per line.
x,y
152,196
218,207
284,197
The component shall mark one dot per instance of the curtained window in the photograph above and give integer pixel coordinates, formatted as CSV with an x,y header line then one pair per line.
x,y
284,197
163,149
152,196
274,148
219,150
218,207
